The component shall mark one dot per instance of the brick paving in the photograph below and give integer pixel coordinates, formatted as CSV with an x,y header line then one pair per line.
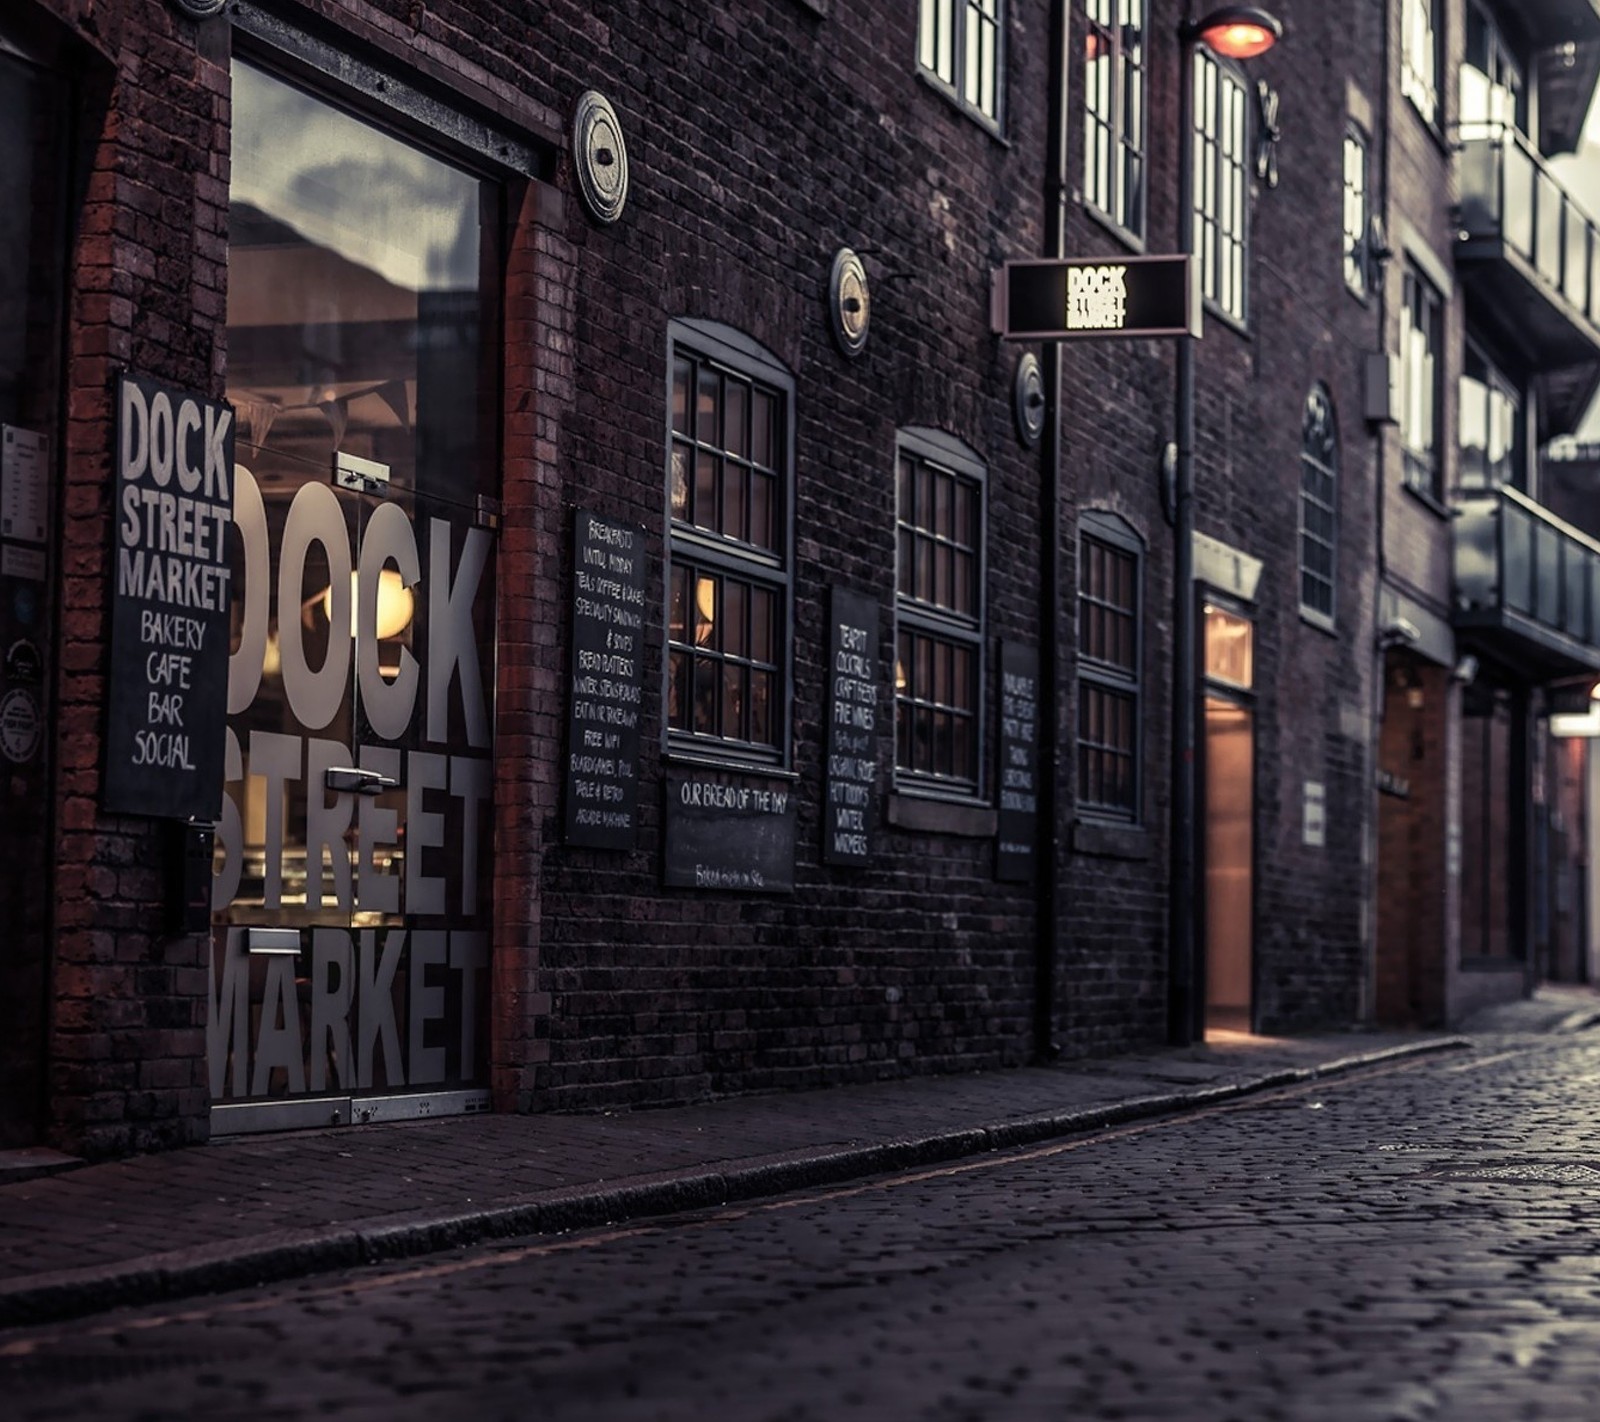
x,y
276,1206
1412,1242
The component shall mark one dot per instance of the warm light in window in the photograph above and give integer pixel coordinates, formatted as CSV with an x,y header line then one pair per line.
x,y
395,603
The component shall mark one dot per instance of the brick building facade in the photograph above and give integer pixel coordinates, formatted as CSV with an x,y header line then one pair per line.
x,y
664,657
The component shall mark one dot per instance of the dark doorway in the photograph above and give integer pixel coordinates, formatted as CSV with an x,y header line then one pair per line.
x,y
33,171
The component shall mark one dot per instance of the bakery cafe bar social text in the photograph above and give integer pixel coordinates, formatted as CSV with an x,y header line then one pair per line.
x,y
170,600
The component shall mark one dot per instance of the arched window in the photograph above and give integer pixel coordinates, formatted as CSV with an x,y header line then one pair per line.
x,y
939,628
728,549
1319,507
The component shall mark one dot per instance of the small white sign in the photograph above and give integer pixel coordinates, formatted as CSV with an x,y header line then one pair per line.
x,y
1314,830
24,492
26,563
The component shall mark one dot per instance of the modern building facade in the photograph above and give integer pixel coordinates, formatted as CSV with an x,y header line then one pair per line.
x,y
535,579
1486,609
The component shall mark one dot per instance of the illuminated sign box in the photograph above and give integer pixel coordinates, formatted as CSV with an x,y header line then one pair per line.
x,y
1086,297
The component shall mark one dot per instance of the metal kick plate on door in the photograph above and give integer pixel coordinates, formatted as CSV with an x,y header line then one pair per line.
x,y
273,941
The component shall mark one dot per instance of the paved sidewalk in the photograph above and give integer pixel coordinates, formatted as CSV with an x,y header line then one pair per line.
x,y
272,1207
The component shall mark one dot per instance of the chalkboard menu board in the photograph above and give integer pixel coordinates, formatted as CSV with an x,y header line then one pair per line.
x,y
726,831
602,779
1019,763
168,687
850,786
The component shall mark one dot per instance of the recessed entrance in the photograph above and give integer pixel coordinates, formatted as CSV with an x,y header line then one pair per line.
x,y
1228,832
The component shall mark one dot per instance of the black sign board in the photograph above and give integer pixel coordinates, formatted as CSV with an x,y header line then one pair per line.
x,y
602,784
1019,763
850,786
727,831
167,697
1092,297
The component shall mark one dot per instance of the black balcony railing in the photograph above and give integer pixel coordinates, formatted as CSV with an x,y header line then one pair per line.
x,y
1522,571
1509,197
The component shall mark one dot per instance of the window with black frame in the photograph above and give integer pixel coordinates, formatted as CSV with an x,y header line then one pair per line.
x,y
1490,424
1110,584
1221,183
728,563
961,45
1421,342
1114,111
939,524
1319,508
1493,95
1357,213
1419,56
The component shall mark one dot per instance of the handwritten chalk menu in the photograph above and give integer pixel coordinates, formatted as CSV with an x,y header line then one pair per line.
x,y
727,831
850,786
602,779
1019,763
167,697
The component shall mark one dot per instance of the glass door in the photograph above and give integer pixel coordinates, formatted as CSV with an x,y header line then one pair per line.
x,y
350,956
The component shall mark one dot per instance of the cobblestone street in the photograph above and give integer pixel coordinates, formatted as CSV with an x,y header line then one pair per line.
x,y
1416,1241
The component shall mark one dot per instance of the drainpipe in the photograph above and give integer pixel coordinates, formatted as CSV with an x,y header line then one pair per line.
x,y
1047,906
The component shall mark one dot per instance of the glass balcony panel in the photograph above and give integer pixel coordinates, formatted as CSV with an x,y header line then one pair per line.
x,y
1517,213
1547,573
1476,561
1576,268
1480,187
1575,608
1516,559
1548,204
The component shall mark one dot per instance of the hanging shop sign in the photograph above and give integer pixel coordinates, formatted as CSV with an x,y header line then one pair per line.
x,y
850,787
1077,298
1019,763
167,690
727,831
607,687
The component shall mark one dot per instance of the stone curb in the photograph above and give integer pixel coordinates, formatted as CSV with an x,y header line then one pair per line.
x,y
289,1254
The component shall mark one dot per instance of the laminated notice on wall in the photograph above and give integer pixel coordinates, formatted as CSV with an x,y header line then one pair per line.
x,y
24,488
170,602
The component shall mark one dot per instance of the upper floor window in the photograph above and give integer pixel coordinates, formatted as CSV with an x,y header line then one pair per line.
x,y
1491,425
1110,584
960,43
1114,111
728,554
1419,56
1357,213
1319,507
1221,185
938,674
1492,94
1421,374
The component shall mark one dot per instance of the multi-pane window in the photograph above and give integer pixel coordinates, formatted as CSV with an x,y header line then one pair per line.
x,y
960,43
1221,186
938,616
1319,507
727,578
1109,568
1419,56
1114,111
1421,343
1492,94
1357,213
1491,426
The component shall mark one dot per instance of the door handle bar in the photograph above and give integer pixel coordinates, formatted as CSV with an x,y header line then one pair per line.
x,y
347,778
